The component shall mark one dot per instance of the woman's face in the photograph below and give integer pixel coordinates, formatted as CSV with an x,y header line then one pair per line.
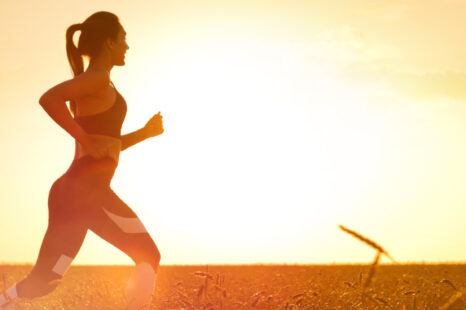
x,y
119,48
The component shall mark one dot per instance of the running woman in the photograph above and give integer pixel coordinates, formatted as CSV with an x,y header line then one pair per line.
x,y
82,198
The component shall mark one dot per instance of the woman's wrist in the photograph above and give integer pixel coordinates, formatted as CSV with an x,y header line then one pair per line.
x,y
144,132
82,137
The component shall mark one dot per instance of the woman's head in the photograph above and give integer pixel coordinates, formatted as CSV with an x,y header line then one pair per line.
x,y
101,34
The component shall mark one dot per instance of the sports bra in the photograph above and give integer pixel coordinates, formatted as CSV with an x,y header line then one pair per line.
x,y
108,122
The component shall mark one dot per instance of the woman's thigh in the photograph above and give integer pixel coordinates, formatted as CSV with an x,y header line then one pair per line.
x,y
114,221
68,221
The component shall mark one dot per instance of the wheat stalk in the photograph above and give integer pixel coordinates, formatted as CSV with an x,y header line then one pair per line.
x,y
372,270
367,241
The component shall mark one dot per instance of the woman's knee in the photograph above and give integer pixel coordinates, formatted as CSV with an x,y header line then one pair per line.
x,y
153,257
149,253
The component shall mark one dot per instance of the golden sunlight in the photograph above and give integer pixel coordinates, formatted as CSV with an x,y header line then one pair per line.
x,y
260,107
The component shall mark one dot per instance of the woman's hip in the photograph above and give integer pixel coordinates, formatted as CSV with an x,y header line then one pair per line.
x,y
89,171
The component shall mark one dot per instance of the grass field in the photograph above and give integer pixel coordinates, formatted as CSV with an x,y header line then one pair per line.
x,y
397,286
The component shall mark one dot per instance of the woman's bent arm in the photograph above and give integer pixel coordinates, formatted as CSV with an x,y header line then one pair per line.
x,y
54,100
152,128
133,138
56,108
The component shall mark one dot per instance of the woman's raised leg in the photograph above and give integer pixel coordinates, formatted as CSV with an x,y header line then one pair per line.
x,y
114,221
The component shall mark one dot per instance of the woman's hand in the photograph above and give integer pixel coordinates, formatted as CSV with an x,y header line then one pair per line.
x,y
154,126
99,146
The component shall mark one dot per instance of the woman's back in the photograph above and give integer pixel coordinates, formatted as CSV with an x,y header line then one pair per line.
x,y
103,126
107,122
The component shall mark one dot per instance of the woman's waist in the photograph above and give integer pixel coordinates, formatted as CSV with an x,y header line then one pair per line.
x,y
90,169
87,169
111,146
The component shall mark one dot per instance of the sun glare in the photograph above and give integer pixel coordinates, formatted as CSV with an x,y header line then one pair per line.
x,y
266,127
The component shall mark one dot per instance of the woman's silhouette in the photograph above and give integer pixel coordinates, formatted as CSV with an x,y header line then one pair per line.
x,y
81,198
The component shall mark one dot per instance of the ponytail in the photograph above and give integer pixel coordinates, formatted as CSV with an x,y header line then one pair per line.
x,y
74,57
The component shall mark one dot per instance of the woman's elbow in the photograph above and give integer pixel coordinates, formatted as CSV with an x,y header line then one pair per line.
x,y
44,99
48,98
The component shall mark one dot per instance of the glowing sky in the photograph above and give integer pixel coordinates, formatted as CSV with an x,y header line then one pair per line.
x,y
282,120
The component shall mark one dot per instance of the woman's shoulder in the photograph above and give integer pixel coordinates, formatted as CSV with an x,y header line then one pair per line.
x,y
84,84
90,83
99,79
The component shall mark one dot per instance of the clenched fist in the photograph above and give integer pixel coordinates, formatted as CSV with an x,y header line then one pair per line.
x,y
154,126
